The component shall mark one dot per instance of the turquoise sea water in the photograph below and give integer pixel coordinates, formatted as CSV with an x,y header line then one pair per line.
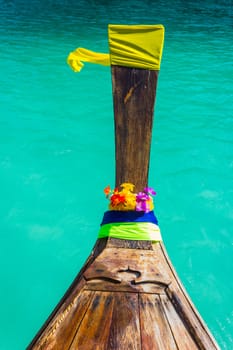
x,y
57,152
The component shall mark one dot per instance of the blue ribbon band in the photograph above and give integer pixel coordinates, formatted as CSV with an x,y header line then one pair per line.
x,y
115,216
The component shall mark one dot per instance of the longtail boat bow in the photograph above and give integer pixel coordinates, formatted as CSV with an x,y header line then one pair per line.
x,y
127,295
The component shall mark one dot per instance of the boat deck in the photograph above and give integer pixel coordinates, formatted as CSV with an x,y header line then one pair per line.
x,y
127,296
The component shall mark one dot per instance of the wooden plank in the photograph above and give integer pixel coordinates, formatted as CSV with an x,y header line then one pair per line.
x,y
70,322
95,325
64,326
155,331
180,333
184,306
189,315
125,327
133,97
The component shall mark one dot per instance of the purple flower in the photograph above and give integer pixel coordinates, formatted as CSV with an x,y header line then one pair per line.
x,y
141,196
150,190
142,204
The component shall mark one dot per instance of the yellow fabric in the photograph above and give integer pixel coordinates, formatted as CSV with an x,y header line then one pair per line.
x,y
136,46
80,55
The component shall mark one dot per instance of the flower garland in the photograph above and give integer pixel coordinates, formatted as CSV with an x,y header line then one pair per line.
x,y
125,199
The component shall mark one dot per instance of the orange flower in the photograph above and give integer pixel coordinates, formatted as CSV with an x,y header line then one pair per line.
x,y
116,190
107,190
117,199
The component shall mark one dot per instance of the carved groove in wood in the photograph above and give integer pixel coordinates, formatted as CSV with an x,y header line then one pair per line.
x,y
127,271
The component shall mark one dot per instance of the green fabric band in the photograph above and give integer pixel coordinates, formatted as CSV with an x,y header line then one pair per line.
x,y
143,231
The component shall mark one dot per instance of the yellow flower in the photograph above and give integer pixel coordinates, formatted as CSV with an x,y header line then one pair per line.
x,y
151,204
130,201
127,186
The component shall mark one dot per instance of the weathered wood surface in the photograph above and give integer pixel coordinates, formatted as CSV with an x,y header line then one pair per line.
x,y
133,96
125,299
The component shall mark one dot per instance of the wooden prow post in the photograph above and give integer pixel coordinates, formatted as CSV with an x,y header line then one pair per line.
x,y
134,97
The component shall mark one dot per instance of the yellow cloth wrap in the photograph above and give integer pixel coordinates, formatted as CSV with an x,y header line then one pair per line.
x,y
143,231
80,55
135,46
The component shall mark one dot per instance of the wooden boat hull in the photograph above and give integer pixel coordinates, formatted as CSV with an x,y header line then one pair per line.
x,y
125,298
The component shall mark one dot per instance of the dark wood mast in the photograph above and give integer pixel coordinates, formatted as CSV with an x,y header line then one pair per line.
x,y
134,96
127,295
